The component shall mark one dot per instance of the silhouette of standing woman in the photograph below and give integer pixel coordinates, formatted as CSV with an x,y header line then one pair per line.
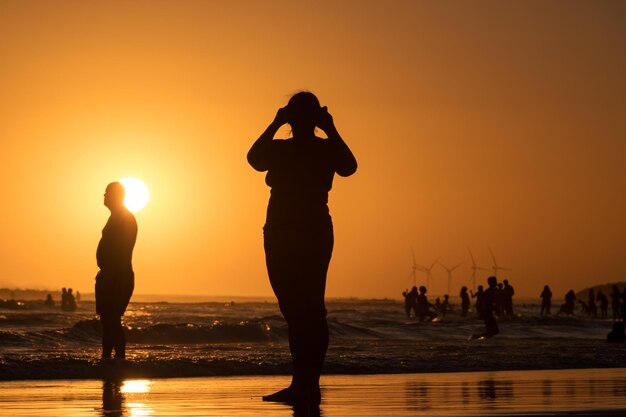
x,y
298,232
116,280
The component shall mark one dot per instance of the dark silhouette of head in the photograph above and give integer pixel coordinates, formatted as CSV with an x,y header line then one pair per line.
x,y
303,113
506,282
480,288
492,281
414,289
464,289
422,290
114,196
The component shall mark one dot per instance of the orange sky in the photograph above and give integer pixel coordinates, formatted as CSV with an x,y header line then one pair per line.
x,y
475,124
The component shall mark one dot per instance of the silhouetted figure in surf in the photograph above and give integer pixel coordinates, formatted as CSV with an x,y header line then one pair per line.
x,y
70,302
465,301
546,300
410,300
491,326
63,298
507,298
592,308
298,232
445,305
604,304
479,301
424,306
616,306
49,301
570,303
115,281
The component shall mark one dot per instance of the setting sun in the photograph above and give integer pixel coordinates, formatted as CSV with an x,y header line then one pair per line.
x,y
137,193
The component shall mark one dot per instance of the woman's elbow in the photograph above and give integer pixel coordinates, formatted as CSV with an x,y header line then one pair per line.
x,y
347,170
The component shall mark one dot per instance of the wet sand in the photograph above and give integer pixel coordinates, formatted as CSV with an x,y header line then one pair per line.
x,y
503,393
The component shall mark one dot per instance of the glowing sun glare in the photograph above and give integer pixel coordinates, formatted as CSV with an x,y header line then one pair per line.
x,y
137,193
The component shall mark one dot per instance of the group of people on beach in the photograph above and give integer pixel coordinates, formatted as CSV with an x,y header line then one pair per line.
x,y
597,303
417,304
68,301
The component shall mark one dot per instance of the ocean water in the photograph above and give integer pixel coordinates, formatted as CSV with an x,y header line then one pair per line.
x,y
250,338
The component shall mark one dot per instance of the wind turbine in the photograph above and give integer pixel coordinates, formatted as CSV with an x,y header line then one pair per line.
x,y
495,266
449,270
474,269
427,270
414,268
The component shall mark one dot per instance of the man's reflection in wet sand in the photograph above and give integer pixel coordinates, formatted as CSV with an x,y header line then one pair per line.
x,y
112,399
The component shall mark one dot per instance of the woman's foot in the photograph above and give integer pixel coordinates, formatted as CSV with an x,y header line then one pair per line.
x,y
292,396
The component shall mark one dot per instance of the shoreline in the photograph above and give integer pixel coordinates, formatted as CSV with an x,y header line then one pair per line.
x,y
502,393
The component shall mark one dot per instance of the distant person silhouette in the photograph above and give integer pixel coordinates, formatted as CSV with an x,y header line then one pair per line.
x,y
491,326
410,300
63,298
70,302
604,304
445,304
570,303
479,301
616,306
465,301
424,306
592,308
78,296
507,298
546,300
298,232
49,301
115,280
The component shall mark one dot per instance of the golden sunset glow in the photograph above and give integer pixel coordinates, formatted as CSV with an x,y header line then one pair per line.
x,y
137,193
480,125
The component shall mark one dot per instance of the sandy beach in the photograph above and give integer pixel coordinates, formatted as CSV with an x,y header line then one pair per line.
x,y
503,393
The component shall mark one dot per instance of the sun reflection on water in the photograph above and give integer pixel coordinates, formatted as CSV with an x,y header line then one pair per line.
x,y
136,386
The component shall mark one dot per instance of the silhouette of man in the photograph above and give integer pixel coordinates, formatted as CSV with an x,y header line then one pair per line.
x,y
115,280
298,232
423,306
479,301
616,305
410,299
491,326
465,301
507,298
64,299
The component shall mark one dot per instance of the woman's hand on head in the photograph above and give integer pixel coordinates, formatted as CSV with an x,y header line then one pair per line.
x,y
281,117
326,122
